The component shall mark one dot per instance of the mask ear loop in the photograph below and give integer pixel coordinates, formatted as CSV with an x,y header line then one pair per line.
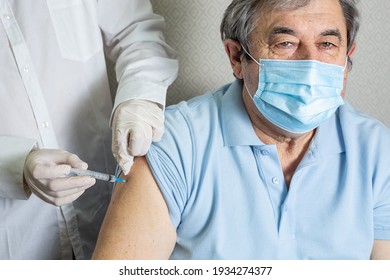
x,y
247,90
348,64
250,55
246,87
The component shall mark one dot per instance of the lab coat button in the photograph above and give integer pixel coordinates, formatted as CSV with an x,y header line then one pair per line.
x,y
45,124
26,68
7,16
264,152
275,180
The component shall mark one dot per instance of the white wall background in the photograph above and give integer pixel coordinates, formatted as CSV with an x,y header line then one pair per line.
x,y
192,28
369,83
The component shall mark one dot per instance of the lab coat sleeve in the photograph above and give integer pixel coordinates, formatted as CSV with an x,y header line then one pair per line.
x,y
133,37
13,154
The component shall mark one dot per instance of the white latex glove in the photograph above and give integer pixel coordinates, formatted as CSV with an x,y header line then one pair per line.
x,y
136,123
46,170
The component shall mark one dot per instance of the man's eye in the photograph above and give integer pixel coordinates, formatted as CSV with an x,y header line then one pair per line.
x,y
284,44
327,45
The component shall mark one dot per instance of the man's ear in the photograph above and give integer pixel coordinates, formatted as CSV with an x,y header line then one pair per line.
x,y
350,53
233,50
352,49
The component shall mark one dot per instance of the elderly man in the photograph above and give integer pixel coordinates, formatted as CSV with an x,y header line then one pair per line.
x,y
273,166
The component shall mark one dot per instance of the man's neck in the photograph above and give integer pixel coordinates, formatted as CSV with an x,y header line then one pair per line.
x,y
291,150
291,147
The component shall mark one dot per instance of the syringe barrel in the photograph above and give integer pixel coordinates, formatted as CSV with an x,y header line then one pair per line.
x,y
93,174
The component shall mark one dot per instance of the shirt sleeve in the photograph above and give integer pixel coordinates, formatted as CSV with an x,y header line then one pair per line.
x,y
171,161
382,211
13,154
380,158
133,36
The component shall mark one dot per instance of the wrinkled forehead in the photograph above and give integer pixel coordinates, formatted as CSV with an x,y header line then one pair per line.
x,y
315,11
267,6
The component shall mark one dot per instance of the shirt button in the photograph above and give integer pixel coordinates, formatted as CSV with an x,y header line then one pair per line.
x,y
264,152
7,16
26,68
45,124
275,180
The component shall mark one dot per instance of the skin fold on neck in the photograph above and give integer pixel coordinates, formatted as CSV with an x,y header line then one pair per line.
x,y
291,147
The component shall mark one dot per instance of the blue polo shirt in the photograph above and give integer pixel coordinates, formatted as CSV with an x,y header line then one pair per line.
x,y
227,197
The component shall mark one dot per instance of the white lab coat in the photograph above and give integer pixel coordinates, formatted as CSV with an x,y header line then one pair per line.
x,y
54,93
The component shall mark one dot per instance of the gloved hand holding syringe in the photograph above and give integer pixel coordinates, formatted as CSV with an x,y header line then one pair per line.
x,y
47,174
95,174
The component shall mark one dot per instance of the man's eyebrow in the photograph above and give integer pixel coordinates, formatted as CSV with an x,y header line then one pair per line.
x,y
286,30
332,32
281,30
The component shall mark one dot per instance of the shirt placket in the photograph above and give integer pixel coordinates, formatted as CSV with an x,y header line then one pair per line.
x,y
271,172
28,75
68,234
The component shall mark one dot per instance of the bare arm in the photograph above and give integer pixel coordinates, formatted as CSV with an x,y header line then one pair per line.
x,y
137,224
381,250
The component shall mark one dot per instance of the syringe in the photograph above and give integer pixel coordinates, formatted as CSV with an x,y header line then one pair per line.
x,y
96,175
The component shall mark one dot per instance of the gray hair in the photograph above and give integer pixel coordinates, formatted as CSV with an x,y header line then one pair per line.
x,y
241,16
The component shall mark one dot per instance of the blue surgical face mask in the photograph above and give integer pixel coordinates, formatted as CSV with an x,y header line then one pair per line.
x,y
298,95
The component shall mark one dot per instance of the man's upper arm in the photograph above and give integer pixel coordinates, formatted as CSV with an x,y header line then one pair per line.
x,y
381,250
137,224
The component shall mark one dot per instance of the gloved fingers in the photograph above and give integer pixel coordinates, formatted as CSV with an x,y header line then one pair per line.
x,y
154,116
67,192
67,184
39,193
136,124
70,184
63,190
119,140
125,163
57,201
44,171
133,141
56,157
63,157
157,134
50,164
74,161
134,112
157,122
119,149
140,138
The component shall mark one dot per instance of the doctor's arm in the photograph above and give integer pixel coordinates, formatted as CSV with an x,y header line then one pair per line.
x,y
137,224
145,65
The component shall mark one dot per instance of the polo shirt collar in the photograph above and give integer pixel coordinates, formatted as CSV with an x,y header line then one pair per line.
x,y
237,127
329,137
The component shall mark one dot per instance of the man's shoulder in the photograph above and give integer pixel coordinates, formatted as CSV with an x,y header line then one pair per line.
x,y
199,107
357,124
354,117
